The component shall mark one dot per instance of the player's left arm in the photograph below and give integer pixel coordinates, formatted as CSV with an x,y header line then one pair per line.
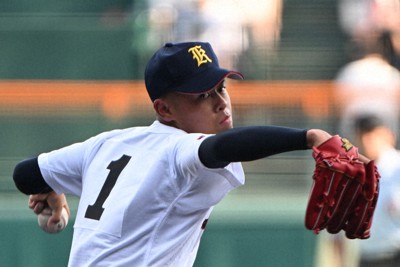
x,y
256,142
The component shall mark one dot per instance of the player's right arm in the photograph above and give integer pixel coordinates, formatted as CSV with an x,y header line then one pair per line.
x,y
46,177
29,180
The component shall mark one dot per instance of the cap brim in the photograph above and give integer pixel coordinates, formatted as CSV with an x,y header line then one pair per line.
x,y
207,80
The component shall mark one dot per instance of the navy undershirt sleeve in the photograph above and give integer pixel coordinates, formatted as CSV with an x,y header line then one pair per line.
x,y
28,178
250,143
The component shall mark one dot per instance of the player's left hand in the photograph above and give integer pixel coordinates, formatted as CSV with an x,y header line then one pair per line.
x,y
345,190
316,137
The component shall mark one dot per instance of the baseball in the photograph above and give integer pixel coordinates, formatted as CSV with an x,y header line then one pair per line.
x,y
44,216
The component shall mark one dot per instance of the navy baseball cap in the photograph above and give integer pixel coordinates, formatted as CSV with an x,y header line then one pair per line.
x,y
190,67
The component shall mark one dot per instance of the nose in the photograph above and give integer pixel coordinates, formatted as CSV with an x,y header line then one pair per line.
x,y
221,100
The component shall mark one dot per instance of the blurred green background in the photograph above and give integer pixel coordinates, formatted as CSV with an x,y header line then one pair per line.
x,y
260,224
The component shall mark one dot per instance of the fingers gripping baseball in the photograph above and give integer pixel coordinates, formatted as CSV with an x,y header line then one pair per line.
x,y
52,210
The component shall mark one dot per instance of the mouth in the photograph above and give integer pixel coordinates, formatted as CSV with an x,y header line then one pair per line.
x,y
226,119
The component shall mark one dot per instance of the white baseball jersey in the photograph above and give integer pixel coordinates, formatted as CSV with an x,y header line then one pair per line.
x,y
144,195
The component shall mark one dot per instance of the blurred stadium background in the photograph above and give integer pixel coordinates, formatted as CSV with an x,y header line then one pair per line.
x,y
72,69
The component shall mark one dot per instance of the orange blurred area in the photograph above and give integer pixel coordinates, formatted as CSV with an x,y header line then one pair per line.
x,y
119,99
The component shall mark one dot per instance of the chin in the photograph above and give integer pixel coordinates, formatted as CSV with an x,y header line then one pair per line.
x,y
225,128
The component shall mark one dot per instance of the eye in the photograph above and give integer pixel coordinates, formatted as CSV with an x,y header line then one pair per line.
x,y
204,95
222,89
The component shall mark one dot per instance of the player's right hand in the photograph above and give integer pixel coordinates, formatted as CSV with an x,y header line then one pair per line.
x,y
52,200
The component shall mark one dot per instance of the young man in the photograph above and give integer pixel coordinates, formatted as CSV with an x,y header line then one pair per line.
x,y
377,139
146,192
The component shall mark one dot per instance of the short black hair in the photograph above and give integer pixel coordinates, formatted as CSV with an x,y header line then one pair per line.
x,y
368,122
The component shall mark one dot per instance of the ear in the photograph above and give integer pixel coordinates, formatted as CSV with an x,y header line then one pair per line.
x,y
163,109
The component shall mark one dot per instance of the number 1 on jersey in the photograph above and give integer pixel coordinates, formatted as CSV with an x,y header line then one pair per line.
x,y
96,210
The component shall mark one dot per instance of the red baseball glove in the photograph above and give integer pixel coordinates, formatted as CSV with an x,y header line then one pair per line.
x,y
344,191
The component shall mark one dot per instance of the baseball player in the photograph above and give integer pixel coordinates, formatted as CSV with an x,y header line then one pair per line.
x,y
146,193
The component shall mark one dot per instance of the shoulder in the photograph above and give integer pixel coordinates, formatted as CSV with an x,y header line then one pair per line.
x,y
117,133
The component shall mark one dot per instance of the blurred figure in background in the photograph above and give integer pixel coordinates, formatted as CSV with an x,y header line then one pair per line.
x,y
368,84
360,18
231,27
377,141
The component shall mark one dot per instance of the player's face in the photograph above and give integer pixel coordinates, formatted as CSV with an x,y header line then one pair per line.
x,y
209,112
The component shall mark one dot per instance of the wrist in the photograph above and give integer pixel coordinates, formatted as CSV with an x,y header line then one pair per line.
x,y
315,137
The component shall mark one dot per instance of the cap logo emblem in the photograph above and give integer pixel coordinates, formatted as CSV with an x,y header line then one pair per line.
x,y
199,54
